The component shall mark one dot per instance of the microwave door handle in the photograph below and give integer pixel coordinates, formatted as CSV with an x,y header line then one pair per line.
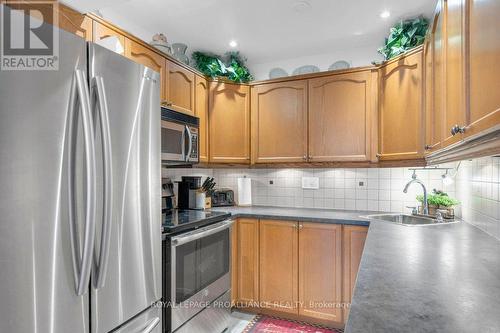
x,y
176,241
183,144
190,143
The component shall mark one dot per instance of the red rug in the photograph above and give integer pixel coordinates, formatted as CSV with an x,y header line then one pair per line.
x,y
266,324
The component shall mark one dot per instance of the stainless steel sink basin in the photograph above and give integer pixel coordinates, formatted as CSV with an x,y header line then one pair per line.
x,y
408,219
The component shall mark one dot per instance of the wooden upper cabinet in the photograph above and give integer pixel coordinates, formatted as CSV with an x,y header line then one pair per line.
x,y
354,238
279,122
455,69
101,33
179,86
74,22
401,108
148,58
229,122
340,114
434,51
246,268
320,271
484,53
67,19
201,111
278,269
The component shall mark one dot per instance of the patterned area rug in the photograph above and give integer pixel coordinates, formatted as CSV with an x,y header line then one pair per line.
x,y
266,324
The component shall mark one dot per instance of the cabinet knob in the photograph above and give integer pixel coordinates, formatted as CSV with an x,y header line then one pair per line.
x,y
378,155
166,103
457,129
304,157
427,147
301,226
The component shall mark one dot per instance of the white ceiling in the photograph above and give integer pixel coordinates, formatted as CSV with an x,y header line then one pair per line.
x,y
266,30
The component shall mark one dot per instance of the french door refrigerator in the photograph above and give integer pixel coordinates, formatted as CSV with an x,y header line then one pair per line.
x,y
80,195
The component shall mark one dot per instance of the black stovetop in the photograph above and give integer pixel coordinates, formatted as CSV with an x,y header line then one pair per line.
x,y
184,219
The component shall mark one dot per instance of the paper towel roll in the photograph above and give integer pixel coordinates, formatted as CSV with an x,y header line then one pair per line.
x,y
244,191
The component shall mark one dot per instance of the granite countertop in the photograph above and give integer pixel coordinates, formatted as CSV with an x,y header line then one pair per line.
x,y
436,278
300,214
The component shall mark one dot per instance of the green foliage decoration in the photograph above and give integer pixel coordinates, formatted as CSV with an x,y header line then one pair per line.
x,y
439,199
233,68
404,36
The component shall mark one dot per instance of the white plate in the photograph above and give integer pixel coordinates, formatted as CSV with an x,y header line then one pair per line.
x,y
341,64
306,70
277,72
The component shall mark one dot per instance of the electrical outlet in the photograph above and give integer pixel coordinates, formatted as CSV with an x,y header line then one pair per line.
x,y
311,183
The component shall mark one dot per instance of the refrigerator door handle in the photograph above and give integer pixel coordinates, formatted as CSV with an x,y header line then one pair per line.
x,y
99,101
82,265
151,325
190,143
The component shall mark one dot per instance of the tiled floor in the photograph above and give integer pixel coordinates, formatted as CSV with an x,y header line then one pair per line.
x,y
239,321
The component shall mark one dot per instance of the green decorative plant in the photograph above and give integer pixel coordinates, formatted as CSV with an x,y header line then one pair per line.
x,y
404,36
438,199
212,65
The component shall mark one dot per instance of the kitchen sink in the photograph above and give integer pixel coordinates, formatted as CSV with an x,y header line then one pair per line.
x,y
408,219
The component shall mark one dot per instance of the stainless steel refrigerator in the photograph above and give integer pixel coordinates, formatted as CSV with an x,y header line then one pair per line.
x,y
80,195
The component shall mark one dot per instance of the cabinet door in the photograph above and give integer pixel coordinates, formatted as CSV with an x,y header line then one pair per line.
x,y
434,81
320,271
179,88
246,265
484,53
279,122
455,69
401,109
75,22
278,269
229,123
201,111
101,34
340,112
353,243
146,57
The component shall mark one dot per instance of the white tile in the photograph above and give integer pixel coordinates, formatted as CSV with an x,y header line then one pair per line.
x,y
308,203
339,193
397,173
350,204
339,183
384,173
372,194
350,183
384,195
350,193
361,194
361,204
384,206
329,193
372,205
339,204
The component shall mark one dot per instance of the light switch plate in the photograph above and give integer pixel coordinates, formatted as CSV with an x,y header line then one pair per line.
x,y
311,183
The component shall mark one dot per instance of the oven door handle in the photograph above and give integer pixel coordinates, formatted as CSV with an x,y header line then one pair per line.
x,y
179,240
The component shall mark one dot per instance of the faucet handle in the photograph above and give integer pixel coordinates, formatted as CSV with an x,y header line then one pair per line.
x,y
413,210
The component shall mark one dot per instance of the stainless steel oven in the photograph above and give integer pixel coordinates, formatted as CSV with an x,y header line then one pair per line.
x,y
179,138
200,280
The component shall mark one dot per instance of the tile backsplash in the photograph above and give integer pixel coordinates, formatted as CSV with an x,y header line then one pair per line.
x,y
476,186
360,189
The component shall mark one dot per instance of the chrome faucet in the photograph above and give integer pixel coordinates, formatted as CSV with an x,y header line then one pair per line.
x,y
415,180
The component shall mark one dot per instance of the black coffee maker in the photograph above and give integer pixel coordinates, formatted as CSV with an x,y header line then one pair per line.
x,y
187,191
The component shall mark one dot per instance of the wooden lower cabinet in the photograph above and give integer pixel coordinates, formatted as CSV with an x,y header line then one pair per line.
x,y
320,271
245,282
278,265
353,242
297,270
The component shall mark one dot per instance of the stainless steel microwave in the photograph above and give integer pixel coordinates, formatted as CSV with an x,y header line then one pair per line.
x,y
179,138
